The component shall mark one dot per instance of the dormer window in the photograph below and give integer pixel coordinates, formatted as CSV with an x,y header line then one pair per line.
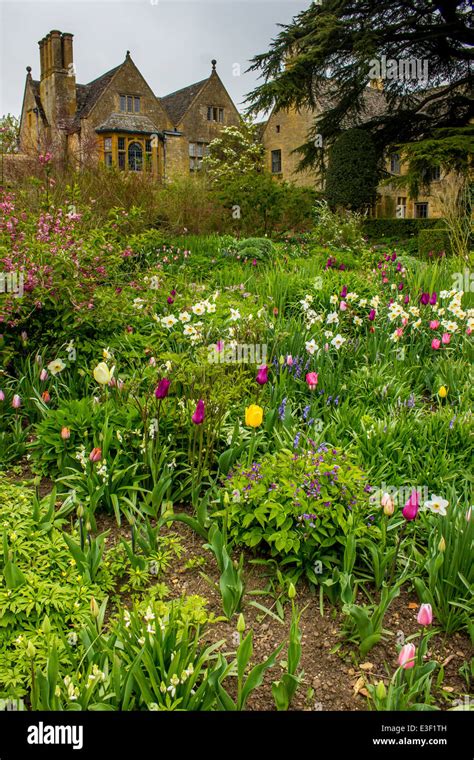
x,y
129,103
215,114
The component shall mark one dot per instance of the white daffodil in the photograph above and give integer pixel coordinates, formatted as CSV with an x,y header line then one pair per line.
x,y
437,504
234,315
184,317
56,366
169,321
311,346
337,341
199,309
332,318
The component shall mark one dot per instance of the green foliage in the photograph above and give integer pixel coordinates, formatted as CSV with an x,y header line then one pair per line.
x,y
399,229
299,506
434,243
447,574
231,582
352,174
336,229
260,249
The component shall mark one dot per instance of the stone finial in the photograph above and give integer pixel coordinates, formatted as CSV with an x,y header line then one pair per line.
x,y
214,62
28,68
128,54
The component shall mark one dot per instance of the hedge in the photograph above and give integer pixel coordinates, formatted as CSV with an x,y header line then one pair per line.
x,y
397,228
433,243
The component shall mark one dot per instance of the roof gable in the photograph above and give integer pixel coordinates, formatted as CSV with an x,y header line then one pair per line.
x,y
177,103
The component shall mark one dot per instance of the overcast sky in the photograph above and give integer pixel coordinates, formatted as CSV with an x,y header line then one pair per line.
x,y
171,41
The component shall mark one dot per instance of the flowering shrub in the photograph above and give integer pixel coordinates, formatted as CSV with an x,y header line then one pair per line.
x,y
299,506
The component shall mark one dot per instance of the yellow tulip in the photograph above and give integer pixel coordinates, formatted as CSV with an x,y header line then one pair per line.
x,y
102,374
443,392
253,415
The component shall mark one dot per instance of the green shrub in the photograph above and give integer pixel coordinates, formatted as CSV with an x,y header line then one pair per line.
x,y
400,229
261,249
434,243
299,506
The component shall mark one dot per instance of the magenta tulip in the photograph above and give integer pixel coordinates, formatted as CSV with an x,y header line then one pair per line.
x,y
199,414
433,298
344,291
435,343
406,658
446,339
262,375
372,315
410,510
161,391
425,615
434,324
312,380
425,298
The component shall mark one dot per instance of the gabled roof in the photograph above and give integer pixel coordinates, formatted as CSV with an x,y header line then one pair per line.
x,y
87,95
177,103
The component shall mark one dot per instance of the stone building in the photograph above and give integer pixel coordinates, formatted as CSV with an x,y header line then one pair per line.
x,y
284,131
117,118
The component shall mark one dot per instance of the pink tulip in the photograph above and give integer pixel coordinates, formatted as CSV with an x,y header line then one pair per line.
x,y
435,344
262,375
219,346
434,324
199,414
65,433
343,306
95,455
43,375
446,339
406,658
2,396
16,403
289,360
312,380
425,615
410,510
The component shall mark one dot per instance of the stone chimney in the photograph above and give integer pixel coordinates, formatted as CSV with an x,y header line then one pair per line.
x,y
57,79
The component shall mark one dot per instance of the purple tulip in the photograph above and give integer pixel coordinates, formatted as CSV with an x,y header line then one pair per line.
x,y
394,256
433,298
410,510
199,414
262,375
161,391
425,298
170,300
173,292
372,315
344,291
406,299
